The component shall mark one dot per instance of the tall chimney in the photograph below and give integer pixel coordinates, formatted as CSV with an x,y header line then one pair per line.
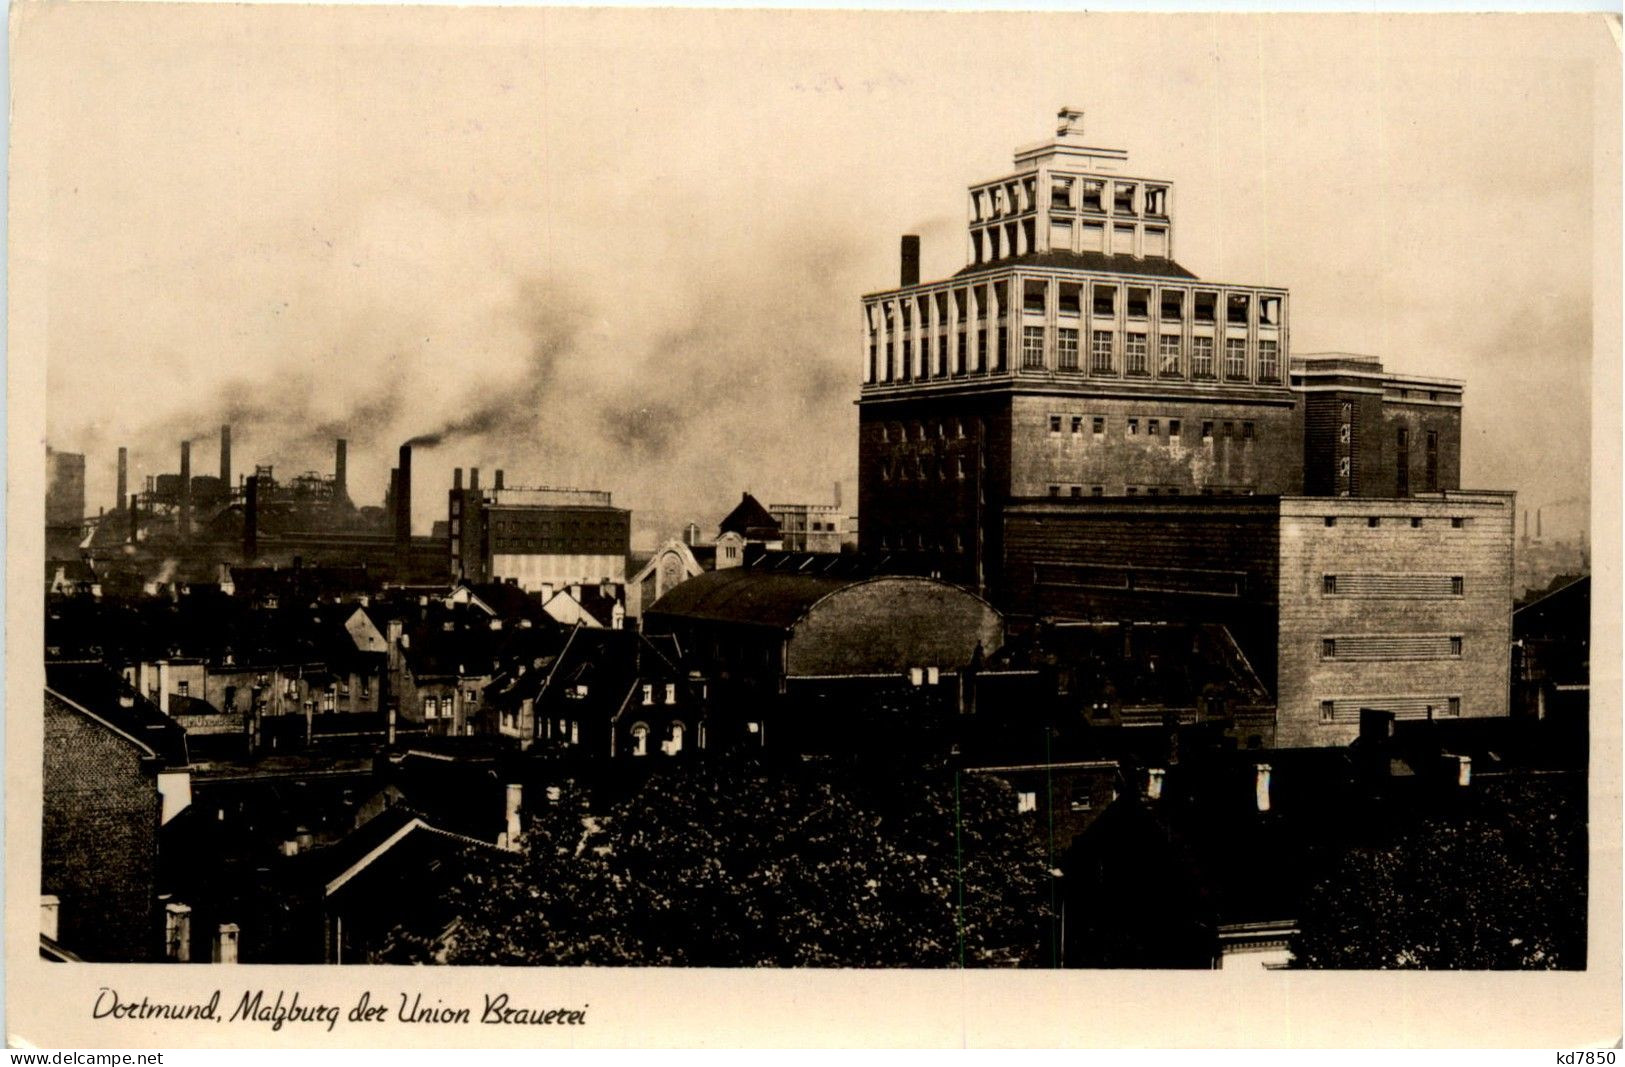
x,y
498,483
473,477
837,494
1525,519
403,499
251,520
186,491
124,477
1537,524
457,477
135,519
911,260
341,473
225,458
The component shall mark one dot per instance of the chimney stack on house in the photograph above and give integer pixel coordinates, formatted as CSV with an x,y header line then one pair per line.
x,y
911,260
497,483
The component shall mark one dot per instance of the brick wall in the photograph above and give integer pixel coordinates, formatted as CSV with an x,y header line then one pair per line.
x,y
1412,599
100,838
1144,454
1197,559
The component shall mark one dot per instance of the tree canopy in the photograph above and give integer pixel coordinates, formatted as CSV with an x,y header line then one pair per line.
x,y
1501,885
754,865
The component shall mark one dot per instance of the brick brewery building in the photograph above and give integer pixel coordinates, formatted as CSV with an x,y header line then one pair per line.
x,y
1080,427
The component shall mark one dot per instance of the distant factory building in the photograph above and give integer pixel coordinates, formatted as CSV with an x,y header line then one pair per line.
x,y
64,502
540,538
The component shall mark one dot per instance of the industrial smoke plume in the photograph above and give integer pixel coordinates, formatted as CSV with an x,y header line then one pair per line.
x,y
673,399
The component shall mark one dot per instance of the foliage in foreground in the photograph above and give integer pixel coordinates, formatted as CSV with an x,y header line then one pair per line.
x,y
1500,887
749,866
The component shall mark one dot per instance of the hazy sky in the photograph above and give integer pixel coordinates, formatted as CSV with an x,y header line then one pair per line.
x,y
624,250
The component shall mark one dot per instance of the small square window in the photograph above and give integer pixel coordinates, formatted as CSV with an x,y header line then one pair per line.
x,y
1328,647
1133,491
1133,427
1229,429
1328,583
1055,424
1416,523
1453,706
1373,521
1026,802
1455,646
1097,490
1457,585
1153,427
1207,431
1173,428
1246,431
1457,523
1328,711
1054,490
1077,424
1099,426
1077,490
1331,520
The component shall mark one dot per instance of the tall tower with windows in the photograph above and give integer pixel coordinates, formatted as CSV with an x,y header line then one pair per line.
x,y
1072,357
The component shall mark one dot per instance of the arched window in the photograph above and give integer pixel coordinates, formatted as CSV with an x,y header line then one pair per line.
x,y
640,739
675,745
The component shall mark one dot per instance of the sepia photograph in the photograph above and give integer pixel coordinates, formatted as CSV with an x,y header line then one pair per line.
x,y
865,493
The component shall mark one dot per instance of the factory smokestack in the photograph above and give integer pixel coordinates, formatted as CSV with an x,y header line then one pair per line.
x,y
124,477
911,260
185,526
341,464
498,483
1537,524
225,458
473,477
403,499
457,477
251,520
